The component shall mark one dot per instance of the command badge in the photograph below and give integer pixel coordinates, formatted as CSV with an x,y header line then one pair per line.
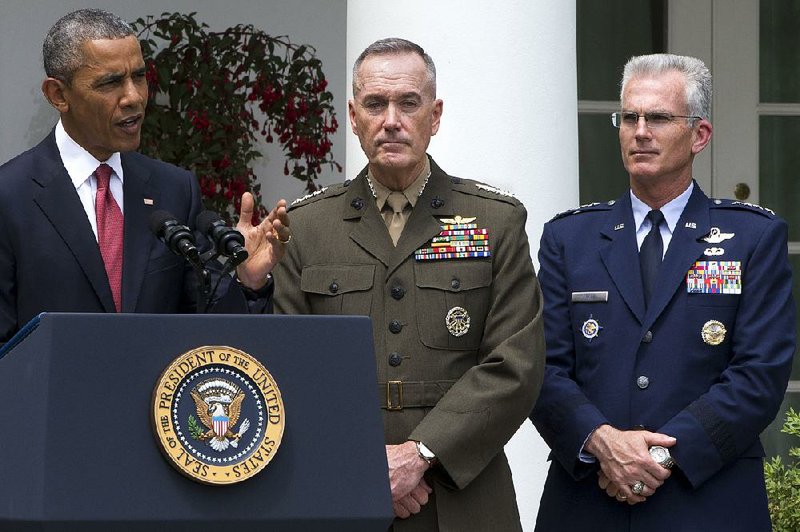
x,y
218,415
713,332
591,328
457,321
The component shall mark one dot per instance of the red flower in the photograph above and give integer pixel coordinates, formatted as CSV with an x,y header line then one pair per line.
x,y
152,74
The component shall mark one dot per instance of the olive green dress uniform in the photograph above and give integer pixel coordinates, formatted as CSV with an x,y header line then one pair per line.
x,y
463,396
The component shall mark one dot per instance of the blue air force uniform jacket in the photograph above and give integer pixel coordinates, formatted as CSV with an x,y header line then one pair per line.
x,y
670,368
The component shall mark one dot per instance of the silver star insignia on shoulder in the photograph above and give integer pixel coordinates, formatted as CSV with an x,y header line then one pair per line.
x,y
494,190
311,195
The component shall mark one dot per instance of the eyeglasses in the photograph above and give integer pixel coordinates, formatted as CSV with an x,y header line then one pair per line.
x,y
653,120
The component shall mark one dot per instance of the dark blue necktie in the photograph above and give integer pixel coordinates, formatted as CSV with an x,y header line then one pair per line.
x,y
651,253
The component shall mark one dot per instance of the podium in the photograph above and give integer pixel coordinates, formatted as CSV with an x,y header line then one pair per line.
x,y
78,450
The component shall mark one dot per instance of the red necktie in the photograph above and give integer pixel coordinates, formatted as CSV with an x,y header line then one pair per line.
x,y
109,232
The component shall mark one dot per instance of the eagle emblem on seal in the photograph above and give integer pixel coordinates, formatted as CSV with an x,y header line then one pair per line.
x,y
218,404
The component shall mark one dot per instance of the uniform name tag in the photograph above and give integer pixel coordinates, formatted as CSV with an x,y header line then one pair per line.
x,y
599,296
715,277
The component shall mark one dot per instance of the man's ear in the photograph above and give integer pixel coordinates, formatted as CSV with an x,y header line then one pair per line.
x,y
54,91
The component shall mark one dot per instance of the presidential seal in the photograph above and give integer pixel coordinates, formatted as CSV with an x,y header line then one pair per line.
x,y
218,415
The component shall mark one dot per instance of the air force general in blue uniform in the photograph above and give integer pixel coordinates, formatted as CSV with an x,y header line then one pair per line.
x,y
699,369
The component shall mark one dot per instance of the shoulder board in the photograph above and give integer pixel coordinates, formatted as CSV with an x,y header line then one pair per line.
x,y
483,190
588,207
743,205
324,192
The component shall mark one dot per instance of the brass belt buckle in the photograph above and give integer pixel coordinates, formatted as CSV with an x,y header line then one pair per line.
x,y
390,405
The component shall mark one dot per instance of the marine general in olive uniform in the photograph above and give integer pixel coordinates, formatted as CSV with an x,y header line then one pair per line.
x,y
443,268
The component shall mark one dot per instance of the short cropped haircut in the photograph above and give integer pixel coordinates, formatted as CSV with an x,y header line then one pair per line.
x,y
62,49
395,46
697,76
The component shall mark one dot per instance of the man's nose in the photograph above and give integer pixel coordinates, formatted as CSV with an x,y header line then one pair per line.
x,y
134,93
392,118
642,130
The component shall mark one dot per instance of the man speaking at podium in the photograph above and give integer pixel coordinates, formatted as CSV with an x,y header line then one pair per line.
x,y
458,334
74,210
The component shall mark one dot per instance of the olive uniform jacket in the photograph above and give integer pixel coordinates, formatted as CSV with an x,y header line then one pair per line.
x,y
463,396
707,361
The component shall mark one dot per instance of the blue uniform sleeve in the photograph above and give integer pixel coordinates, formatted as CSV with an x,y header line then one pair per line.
x,y
563,415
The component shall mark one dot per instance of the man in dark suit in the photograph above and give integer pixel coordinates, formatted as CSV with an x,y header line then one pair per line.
x,y
442,266
74,210
670,331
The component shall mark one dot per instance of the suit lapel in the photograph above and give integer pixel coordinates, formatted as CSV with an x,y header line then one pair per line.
x,y
684,249
60,204
137,242
621,255
370,232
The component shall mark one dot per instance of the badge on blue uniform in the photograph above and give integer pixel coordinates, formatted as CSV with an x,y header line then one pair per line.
x,y
715,277
713,332
715,236
591,328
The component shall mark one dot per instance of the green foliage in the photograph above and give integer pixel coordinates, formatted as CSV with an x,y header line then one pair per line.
x,y
195,430
213,95
783,482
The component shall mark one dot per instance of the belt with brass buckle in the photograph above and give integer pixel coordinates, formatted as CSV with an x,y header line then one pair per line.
x,y
398,395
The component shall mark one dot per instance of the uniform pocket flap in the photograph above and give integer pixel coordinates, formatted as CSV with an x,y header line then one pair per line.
x,y
454,276
335,279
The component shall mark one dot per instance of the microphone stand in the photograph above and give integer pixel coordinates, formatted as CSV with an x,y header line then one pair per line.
x,y
205,291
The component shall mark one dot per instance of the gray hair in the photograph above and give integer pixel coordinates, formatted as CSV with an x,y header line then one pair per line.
x,y
697,76
62,49
395,46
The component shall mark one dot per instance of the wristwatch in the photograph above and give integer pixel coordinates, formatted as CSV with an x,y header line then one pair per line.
x,y
426,454
661,456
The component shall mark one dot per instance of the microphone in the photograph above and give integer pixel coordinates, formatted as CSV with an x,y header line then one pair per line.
x,y
227,241
178,238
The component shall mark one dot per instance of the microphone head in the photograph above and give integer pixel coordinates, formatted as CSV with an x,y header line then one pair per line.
x,y
206,220
158,220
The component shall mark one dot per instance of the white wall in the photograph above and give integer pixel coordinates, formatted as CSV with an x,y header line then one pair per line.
x,y
506,72
26,118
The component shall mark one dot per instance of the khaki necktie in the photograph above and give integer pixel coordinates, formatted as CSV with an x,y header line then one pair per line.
x,y
398,203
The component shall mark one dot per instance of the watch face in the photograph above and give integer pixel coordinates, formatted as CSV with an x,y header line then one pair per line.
x,y
659,454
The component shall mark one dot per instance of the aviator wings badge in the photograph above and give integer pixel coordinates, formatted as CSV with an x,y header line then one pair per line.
x,y
715,236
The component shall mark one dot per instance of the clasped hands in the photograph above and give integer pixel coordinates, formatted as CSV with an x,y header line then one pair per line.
x,y
625,460
406,468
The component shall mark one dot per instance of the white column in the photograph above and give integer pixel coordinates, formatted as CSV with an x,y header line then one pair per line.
x,y
506,72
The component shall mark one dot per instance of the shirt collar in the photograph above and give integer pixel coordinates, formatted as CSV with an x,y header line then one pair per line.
x,y
672,210
412,192
79,163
